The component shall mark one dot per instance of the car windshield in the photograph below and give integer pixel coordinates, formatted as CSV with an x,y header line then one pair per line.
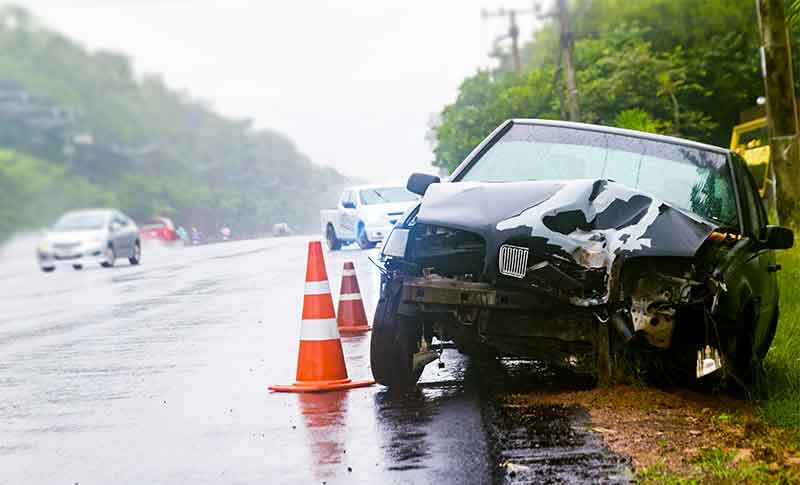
x,y
81,221
386,195
689,178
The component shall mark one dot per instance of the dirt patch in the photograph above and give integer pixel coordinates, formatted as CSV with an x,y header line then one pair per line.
x,y
674,429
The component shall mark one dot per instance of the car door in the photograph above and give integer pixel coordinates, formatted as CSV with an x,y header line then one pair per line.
x,y
119,235
348,214
750,269
132,232
762,265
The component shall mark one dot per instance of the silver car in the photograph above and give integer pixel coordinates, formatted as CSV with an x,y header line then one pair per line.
x,y
93,236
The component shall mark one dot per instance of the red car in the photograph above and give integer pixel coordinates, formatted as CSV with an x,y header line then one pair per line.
x,y
159,228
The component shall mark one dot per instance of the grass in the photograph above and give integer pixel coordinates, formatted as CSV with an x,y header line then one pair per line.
x,y
780,384
716,465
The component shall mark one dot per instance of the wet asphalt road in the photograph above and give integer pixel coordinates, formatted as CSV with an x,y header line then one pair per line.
x,y
159,374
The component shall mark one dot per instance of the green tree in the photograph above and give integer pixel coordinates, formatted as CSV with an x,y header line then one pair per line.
x,y
645,64
159,151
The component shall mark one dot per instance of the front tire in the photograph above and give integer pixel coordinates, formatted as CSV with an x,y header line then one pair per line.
x,y
334,244
111,257
395,338
136,257
77,267
48,269
739,352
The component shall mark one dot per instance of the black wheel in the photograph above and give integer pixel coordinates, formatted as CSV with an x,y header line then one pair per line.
x,y
111,257
739,353
77,267
763,346
334,243
361,238
395,338
48,269
136,257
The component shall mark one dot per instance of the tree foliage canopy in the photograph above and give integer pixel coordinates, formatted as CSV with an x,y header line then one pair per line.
x,y
87,118
679,67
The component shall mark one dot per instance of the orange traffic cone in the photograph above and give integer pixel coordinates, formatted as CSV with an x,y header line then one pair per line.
x,y
320,361
351,316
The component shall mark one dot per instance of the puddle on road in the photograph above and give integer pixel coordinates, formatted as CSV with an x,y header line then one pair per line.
x,y
404,422
534,443
324,415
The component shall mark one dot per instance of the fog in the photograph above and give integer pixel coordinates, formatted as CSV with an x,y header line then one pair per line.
x,y
352,83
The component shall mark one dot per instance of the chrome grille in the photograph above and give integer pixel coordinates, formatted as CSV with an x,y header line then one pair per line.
x,y
513,261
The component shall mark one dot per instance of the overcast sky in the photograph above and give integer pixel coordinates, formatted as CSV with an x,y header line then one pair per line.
x,y
352,82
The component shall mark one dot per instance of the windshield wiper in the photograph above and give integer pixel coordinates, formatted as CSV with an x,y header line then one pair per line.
x,y
379,195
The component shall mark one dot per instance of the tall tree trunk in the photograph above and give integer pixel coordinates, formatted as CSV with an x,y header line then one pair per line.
x,y
568,60
781,108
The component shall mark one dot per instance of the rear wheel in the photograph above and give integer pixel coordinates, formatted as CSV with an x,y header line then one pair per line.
x,y
361,238
334,243
136,256
395,339
48,269
77,267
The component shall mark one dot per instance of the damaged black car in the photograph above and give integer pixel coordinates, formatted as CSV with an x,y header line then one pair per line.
x,y
567,243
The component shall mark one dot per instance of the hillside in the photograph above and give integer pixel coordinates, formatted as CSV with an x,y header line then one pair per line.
x,y
80,128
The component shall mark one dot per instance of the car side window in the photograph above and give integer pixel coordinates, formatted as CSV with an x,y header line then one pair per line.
x,y
755,208
348,199
343,199
118,220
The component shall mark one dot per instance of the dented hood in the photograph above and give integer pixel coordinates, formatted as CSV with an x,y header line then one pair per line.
x,y
566,215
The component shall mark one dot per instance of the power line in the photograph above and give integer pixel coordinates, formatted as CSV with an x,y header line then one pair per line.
x,y
513,28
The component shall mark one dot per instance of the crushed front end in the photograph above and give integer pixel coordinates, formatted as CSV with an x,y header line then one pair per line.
x,y
553,271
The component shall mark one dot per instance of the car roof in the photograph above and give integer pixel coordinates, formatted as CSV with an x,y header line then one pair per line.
x,y
621,131
376,186
105,212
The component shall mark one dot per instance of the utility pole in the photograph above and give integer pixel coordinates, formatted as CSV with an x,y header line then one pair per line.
x,y
567,45
782,116
513,31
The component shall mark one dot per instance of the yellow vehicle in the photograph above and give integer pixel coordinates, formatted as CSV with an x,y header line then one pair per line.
x,y
751,141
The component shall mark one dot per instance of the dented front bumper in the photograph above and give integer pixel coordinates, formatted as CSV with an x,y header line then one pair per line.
x,y
433,290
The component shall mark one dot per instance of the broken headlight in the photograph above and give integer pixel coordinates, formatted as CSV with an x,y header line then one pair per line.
x,y
447,252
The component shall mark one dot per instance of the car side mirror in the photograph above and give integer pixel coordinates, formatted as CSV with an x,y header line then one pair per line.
x,y
778,237
114,226
418,183
349,205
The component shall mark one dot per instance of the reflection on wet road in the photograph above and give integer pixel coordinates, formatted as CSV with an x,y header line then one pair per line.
x,y
158,374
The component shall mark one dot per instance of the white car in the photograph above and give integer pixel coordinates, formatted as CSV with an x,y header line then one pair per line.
x,y
365,214
93,236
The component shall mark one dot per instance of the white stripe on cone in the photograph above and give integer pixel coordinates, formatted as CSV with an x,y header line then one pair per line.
x,y
348,272
317,287
349,296
319,329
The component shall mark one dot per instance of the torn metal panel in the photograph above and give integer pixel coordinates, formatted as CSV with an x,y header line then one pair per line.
x,y
586,222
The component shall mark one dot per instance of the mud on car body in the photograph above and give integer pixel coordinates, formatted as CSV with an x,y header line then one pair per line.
x,y
567,242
